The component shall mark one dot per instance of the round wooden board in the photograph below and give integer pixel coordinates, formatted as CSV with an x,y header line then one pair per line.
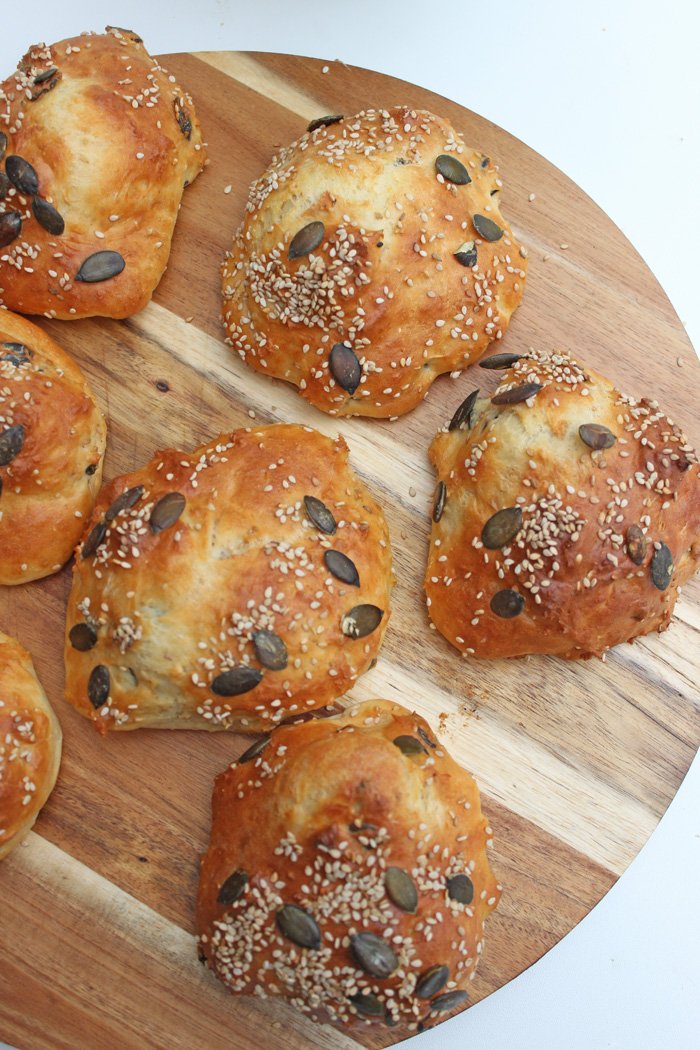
x,y
576,761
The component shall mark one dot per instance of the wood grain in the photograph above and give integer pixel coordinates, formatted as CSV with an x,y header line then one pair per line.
x,y
577,762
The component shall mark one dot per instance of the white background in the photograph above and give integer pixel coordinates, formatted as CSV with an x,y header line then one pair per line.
x,y
610,92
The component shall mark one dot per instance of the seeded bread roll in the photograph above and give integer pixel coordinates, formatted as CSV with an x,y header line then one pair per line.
x,y
229,588
373,256
567,514
30,745
96,143
52,443
347,871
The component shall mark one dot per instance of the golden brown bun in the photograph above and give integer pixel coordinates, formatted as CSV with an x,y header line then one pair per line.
x,y
586,515
51,468
321,820
384,279
111,156
30,745
166,614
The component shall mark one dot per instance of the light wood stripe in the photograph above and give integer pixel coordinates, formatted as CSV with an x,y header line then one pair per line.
x,y
246,70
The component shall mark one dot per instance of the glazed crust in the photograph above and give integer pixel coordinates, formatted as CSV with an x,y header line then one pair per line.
x,y
171,611
50,485
30,745
572,560
316,820
111,155
384,280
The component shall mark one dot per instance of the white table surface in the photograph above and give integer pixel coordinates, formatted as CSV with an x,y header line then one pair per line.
x,y
610,92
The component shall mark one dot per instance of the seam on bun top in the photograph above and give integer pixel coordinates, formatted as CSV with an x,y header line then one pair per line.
x,y
52,444
228,588
567,514
97,142
372,257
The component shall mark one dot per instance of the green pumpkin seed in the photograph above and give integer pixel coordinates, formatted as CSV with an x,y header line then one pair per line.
x,y
440,497
516,394
5,185
463,415
233,887
448,1001
3,144
342,567
502,527
98,686
45,75
452,170
499,361
82,637
408,745
487,228
361,621
661,567
298,926
596,436
319,514
507,604
322,122
270,650
94,539
466,255
373,954
48,216
368,1004
306,239
254,750
100,266
10,227
11,444
345,367
430,982
167,511
460,888
636,544
235,681
22,175
401,889
124,501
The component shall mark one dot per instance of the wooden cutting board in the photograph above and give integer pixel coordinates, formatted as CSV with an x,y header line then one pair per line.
x,y
576,761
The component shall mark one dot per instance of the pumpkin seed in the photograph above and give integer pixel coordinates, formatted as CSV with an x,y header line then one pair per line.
x,y
463,415
596,436
320,515
448,1001
124,502
430,982
342,568
408,745
361,621
236,680
661,567
22,175
3,144
345,367
298,926
254,750
507,604
502,527
306,239
460,888
270,650
487,228
466,255
321,122
94,539
10,227
11,443
82,637
167,511
499,361
100,266
485,162
18,354
425,738
90,469
516,394
440,498
373,954
401,889
367,1004
636,544
233,887
48,216
183,119
4,185
452,169
98,686
46,74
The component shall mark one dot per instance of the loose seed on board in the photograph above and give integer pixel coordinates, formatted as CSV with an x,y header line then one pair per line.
x,y
430,982
100,266
98,686
306,239
233,887
124,501
167,511
507,604
82,637
448,1001
270,650
94,539
487,228
408,745
499,361
367,1004
11,444
22,175
401,889
636,544
373,954
460,888
516,394
661,567
321,122
466,255
502,527
236,680
319,514
361,621
452,169
345,367
440,497
342,568
254,750
596,436
463,415
48,216
298,926
10,227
